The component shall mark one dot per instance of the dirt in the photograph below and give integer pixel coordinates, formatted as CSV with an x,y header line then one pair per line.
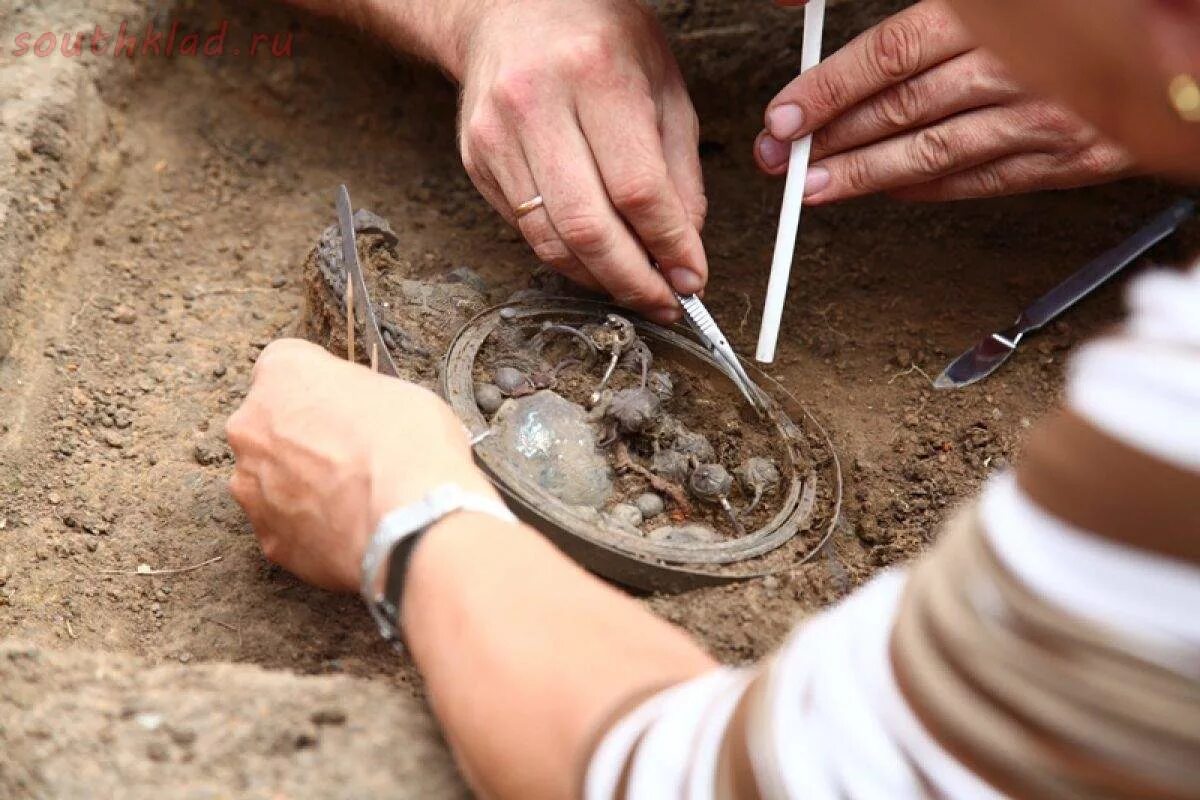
x,y
155,217
98,725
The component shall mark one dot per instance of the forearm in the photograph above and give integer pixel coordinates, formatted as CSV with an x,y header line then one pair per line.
x,y
522,673
435,31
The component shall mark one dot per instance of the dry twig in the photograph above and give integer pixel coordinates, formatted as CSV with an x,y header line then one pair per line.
x,y
146,569
909,371
625,463
231,290
224,625
78,311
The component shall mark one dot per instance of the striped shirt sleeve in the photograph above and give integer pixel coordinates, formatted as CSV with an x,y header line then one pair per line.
x,y
1048,646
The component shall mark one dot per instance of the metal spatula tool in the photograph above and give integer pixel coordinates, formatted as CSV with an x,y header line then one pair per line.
x,y
986,357
356,287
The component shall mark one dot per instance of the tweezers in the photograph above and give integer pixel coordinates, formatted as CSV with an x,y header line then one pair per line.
x,y
710,336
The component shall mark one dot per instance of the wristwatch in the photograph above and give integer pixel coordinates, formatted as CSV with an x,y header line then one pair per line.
x,y
385,562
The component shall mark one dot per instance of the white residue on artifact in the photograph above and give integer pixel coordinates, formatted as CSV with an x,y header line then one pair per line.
x,y
552,443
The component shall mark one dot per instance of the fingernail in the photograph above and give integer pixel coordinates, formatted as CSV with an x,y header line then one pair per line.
x,y
784,121
684,280
817,181
773,152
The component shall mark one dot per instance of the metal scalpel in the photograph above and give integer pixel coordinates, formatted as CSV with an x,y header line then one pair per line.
x,y
986,357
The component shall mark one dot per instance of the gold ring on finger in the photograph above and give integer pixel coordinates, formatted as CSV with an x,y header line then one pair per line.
x,y
529,206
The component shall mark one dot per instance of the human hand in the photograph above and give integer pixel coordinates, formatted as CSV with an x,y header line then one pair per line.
x,y
581,101
326,448
914,108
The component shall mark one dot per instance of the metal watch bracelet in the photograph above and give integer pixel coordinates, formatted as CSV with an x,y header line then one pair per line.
x,y
398,533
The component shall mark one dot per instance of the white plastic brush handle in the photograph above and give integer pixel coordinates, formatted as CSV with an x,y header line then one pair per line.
x,y
793,199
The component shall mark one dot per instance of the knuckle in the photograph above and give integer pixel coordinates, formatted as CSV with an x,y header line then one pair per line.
x,y
989,182
546,246
698,211
1102,161
640,193
933,153
672,242
483,134
856,174
895,48
273,355
272,548
279,348
237,486
473,166
903,104
516,91
585,233
551,252
1053,121
827,91
589,53
235,427
283,358
470,166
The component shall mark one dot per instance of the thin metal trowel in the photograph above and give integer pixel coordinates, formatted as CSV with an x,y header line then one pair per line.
x,y
986,357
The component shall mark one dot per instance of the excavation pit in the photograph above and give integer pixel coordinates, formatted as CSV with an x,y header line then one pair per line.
x,y
622,441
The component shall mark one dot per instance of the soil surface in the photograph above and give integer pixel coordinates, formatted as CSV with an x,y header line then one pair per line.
x,y
154,221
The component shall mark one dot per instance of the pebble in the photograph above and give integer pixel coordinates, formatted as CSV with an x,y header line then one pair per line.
x,y
113,440
488,397
650,504
5,574
328,716
124,315
870,532
511,380
184,737
279,282
149,720
627,514
219,371
208,453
